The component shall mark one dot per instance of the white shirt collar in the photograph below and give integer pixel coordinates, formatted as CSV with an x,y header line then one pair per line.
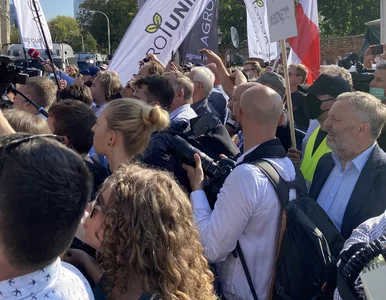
x,y
241,158
178,110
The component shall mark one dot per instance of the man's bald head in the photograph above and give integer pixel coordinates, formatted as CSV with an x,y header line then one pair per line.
x,y
234,102
261,105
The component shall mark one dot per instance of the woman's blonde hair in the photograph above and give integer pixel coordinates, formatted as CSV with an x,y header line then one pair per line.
x,y
150,238
76,71
136,120
22,121
110,84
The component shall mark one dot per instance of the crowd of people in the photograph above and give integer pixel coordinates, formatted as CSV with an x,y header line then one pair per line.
x,y
95,205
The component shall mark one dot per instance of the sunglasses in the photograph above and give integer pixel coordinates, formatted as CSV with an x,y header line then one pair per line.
x,y
95,206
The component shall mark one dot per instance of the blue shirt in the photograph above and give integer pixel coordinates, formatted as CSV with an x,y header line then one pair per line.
x,y
64,76
337,190
183,113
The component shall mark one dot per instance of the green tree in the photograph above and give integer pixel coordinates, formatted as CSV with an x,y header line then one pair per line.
x,y
120,13
232,13
67,30
15,35
346,17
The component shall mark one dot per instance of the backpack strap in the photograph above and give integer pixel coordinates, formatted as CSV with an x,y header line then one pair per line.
x,y
246,271
281,187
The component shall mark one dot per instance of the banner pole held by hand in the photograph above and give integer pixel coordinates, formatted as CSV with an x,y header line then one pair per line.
x,y
290,112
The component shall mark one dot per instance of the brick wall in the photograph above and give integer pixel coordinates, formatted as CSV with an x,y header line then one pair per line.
x,y
330,48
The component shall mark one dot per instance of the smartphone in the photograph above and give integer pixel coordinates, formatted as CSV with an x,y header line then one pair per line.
x,y
202,56
376,50
172,60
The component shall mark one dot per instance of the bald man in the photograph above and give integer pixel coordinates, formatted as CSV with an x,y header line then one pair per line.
x,y
247,208
282,130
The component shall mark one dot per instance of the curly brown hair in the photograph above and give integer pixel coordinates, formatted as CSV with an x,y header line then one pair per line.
x,y
150,238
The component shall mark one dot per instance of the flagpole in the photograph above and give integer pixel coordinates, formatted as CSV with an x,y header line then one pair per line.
x,y
288,93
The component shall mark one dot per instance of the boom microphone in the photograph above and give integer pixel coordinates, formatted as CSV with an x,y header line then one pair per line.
x,y
36,55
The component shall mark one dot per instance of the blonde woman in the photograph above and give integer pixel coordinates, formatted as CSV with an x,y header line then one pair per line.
x,y
142,225
72,71
124,128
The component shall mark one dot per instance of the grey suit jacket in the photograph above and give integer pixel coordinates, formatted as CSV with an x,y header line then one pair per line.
x,y
368,198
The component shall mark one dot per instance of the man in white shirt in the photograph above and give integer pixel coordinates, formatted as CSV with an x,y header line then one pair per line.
x,y
247,208
43,193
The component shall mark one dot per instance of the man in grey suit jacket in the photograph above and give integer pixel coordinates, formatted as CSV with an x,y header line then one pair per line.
x,y
350,183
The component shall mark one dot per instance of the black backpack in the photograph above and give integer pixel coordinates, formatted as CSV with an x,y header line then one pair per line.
x,y
304,260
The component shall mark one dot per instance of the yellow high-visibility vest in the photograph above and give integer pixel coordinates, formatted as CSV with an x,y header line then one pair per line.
x,y
310,161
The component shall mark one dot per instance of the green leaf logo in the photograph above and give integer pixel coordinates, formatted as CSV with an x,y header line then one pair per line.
x,y
157,19
151,28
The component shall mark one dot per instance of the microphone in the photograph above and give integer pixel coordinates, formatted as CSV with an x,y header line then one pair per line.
x,y
36,55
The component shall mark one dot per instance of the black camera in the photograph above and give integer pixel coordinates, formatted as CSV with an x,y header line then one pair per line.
x,y
361,77
10,75
215,172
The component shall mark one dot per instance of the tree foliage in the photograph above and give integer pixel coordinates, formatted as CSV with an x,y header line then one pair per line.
x,y
120,13
346,17
67,30
15,36
232,13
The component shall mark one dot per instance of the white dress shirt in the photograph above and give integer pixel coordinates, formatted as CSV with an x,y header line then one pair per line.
x,y
183,113
336,191
56,281
247,210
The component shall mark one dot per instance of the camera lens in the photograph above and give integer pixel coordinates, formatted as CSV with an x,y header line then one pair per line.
x,y
181,148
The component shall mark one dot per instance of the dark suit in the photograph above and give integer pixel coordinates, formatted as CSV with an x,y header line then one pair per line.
x,y
203,106
368,198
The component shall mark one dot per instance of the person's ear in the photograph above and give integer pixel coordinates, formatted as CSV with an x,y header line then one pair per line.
x,y
239,116
66,141
364,128
112,138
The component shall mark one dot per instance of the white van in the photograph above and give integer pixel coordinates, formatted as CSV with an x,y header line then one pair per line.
x,y
62,54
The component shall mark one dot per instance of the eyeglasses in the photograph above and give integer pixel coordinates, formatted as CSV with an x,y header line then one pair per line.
x,y
15,143
95,206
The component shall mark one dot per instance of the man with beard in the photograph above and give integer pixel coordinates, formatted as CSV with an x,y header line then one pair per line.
x,y
320,97
350,183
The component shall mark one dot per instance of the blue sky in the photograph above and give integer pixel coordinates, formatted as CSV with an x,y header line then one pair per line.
x,y
52,8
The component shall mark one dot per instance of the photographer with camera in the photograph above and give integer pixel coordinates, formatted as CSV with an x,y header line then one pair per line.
x,y
247,208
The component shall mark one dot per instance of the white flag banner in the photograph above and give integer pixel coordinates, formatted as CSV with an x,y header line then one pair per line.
x,y
259,44
159,28
29,28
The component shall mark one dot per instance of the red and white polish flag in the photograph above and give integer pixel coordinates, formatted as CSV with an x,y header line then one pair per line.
x,y
305,48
